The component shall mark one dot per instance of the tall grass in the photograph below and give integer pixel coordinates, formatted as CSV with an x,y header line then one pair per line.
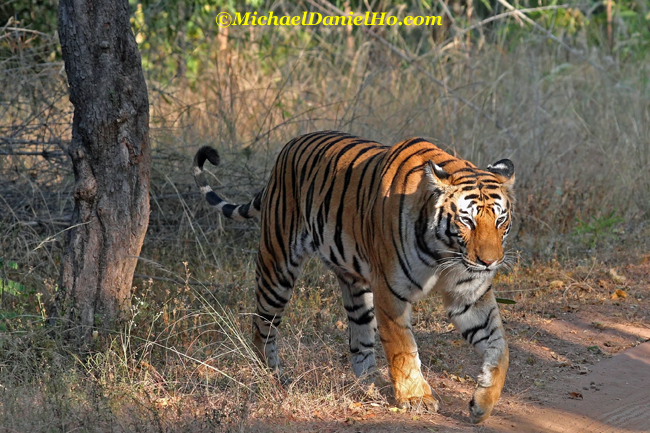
x,y
576,126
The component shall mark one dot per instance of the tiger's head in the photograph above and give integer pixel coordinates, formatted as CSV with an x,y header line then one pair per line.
x,y
475,213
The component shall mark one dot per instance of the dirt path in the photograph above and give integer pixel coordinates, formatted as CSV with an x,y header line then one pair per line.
x,y
613,397
579,362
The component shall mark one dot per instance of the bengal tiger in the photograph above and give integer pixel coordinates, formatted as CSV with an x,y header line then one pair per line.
x,y
393,224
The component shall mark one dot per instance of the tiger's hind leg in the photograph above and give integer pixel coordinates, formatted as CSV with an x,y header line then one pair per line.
x,y
362,325
480,324
276,274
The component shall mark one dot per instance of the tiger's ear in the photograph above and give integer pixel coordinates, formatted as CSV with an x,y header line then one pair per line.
x,y
504,170
436,174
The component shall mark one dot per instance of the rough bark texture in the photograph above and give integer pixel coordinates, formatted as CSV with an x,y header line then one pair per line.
x,y
111,159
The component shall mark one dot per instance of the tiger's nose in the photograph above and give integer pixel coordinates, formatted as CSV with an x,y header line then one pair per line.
x,y
486,262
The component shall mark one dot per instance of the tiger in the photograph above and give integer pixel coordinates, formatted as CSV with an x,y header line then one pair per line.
x,y
393,224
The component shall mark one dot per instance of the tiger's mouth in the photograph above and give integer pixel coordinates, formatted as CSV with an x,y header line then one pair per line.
x,y
479,268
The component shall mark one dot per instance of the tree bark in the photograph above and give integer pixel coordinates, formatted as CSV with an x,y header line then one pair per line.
x,y
111,158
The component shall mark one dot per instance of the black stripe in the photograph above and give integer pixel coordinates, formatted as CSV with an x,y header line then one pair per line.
x,y
306,144
355,265
397,295
243,210
448,232
467,176
228,209
364,319
405,268
421,227
484,293
491,186
464,280
400,151
484,338
263,287
270,318
457,313
353,308
338,231
468,334
266,337
361,293
361,184
443,163
333,258
399,325
444,240
212,198
257,202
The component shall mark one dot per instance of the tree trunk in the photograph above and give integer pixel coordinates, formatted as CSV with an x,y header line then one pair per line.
x,y
111,158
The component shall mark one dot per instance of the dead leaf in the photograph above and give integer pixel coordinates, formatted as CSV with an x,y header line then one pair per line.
x,y
340,325
619,294
575,395
557,284
618,279
355,405
458,379
582,286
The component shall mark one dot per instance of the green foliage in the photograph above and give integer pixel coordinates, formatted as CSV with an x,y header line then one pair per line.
x,y
7,285
506,301
38,15
597,228
25,299
176,36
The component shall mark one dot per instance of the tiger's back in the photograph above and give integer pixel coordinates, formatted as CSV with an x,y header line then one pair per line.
x,y
392,223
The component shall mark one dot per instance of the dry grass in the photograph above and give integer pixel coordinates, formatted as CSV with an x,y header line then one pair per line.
x,y
578,133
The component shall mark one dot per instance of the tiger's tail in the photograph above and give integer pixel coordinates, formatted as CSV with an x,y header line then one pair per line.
x,y
233,211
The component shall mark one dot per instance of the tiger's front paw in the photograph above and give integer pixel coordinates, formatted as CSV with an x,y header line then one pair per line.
x,y
482,403
424,404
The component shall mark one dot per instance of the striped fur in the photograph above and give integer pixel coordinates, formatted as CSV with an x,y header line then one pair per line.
x,y
393,224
